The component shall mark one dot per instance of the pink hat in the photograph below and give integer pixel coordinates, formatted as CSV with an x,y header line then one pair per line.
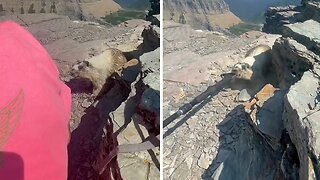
x,y
35,108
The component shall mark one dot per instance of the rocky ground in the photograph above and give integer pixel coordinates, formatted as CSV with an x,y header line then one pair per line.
x,y
222,138
69,42
194,60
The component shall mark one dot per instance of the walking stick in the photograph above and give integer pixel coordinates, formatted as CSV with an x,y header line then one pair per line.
x,y
211,90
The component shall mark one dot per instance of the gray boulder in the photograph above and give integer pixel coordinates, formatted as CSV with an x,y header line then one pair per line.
x,y
302,121
291,59
151,66
151,38
154,19
276,17
312,10
150,99
306,33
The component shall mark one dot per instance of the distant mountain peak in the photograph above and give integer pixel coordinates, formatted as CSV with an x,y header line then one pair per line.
x,y
200,14
199,6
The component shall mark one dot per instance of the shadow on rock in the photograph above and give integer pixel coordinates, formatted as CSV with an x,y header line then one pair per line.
x,y
85,140
143,138
186,117
151,41
196,104
140,51
80,85
242,152
131,108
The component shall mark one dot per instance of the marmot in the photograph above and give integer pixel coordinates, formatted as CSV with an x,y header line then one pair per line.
x,y
99,68
255,70
256,64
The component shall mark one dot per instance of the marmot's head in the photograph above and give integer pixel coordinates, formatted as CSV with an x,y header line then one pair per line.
x,y
242,71
85,70
80,66
87,73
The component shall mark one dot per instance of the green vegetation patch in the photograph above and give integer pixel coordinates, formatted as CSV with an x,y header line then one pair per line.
x,y
124,15
244,27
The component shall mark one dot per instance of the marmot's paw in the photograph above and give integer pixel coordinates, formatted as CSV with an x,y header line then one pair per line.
x,y
129,64
132,62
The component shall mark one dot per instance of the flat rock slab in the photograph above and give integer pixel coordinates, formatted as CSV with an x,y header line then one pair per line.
x,y
180,67
134,165
191,68
306,33
132,168
173,32
302,94
151,62
314,122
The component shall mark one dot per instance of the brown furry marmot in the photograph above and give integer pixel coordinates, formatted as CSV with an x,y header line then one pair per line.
x,y
99,68
255,65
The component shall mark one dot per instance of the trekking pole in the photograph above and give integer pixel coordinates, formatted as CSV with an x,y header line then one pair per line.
x,y
224,83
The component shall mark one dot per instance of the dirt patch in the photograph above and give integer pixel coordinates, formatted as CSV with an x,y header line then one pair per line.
x,y
100,8
225,20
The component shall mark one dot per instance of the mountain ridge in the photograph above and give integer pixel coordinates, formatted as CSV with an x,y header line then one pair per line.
x,y
201,14
86,10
